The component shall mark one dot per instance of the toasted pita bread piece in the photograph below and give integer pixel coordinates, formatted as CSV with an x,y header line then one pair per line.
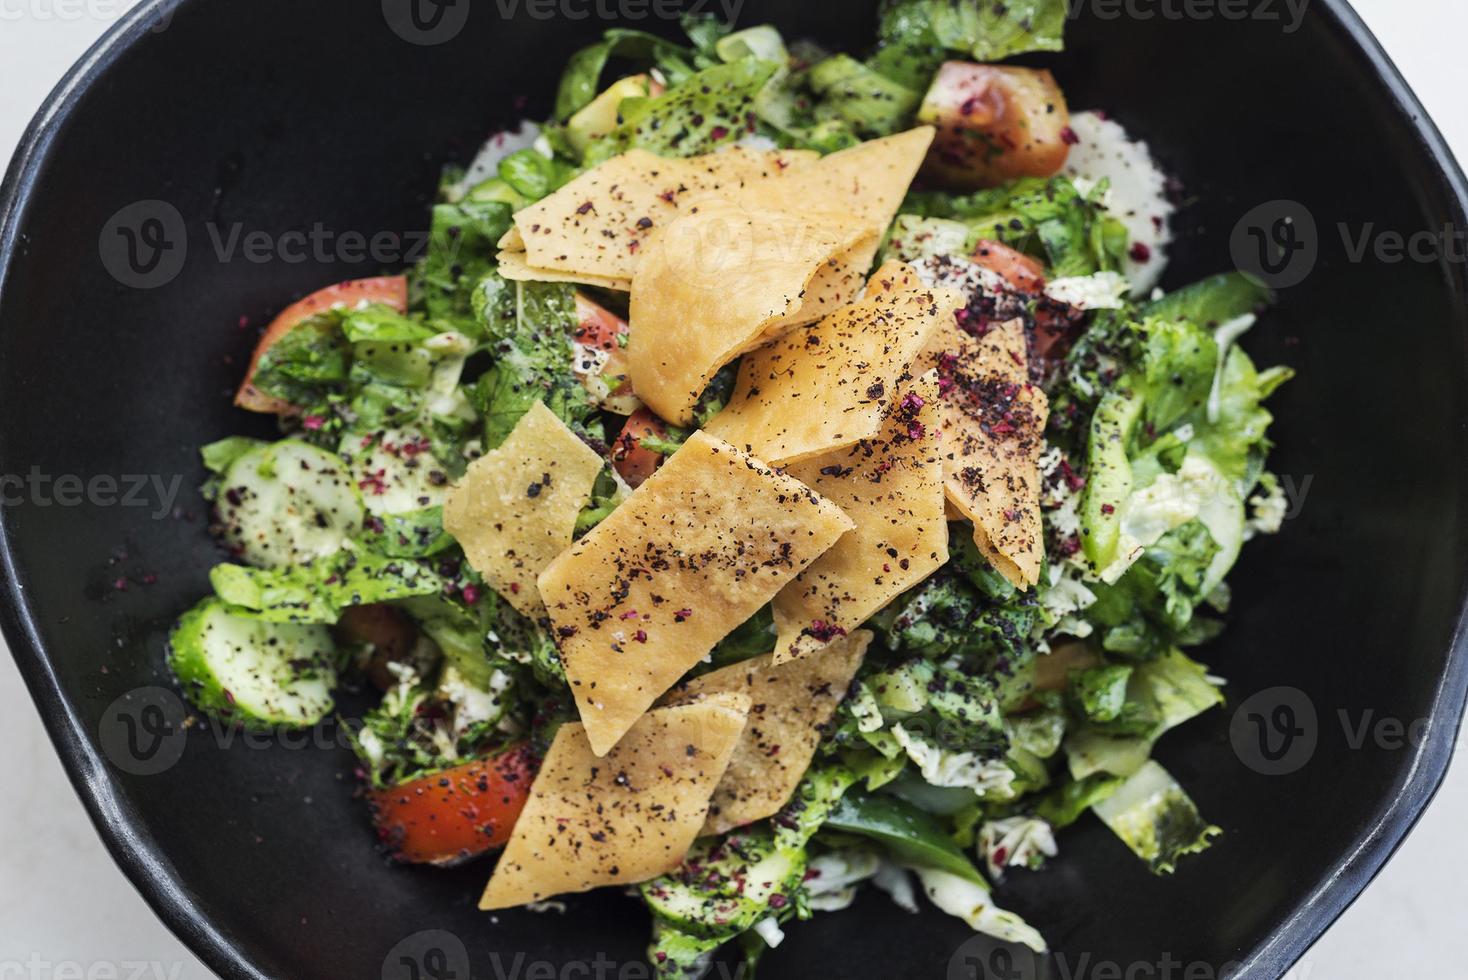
x,y
516,507
597,225
790,703
696,550
725,280
868,181
827,386
514,267
623,818
892,487
993,423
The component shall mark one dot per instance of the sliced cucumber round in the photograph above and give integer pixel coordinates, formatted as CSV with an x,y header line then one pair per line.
x,y
395,470
288,503
260,675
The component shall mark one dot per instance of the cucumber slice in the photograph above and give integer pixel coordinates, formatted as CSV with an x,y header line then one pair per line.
x,y
395,470
261,675
288,503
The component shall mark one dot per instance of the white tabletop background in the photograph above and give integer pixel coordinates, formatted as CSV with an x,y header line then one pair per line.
x,y
67,912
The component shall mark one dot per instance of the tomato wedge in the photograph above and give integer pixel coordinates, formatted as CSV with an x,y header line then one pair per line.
x,y
1023,272
601,356
456,814
388,290
629,458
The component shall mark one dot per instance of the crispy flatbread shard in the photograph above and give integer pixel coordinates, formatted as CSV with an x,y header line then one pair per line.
x,y
868,181
827,386
789,704
623,818
598,224
711,537
892,487
512,266
993,423
516,507
725,280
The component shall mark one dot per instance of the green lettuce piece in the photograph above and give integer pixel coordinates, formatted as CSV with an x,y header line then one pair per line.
x,y
1045,217
1100,693
607,494
916,36
1212,301
318,592
219,456
870,104
460,631
581,79
1155,817
383,324
309,362
706,111
1167,692
530,329
413,534
1063,805
910,835
462,242
532,174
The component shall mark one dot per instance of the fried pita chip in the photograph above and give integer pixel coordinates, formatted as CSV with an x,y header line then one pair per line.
x,y
597,225
868,181
892,487
513,266
725,280
624,818
789,706
516,507
993,423
827,386
694,552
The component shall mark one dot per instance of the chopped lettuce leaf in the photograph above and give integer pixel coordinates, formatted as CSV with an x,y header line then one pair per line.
x,y
970,901
1154,817
915,36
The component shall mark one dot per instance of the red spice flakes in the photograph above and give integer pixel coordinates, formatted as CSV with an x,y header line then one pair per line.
x,y
824,631
120,584
313,422
640,636
1068,136
586,208
515,588
1072,479
629,614
150,579
719,132
1000,855
912,401
915,431
374,482
470,594
778,901
681,615
1140,252
1108,509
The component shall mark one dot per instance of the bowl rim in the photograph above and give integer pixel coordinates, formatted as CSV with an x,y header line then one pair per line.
x,y
141,857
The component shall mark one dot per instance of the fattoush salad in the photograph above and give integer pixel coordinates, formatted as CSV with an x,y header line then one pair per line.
x,y
781,474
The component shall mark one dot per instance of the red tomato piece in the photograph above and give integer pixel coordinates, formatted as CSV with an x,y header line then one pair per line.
x,y
457,814
629,458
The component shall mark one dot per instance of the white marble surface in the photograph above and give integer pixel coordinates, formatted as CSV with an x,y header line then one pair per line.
x,y
66,911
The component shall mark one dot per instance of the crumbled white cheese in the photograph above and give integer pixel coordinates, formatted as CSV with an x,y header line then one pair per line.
x,y
1100,291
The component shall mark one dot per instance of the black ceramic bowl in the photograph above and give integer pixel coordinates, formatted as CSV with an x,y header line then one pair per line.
x,y
276,116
